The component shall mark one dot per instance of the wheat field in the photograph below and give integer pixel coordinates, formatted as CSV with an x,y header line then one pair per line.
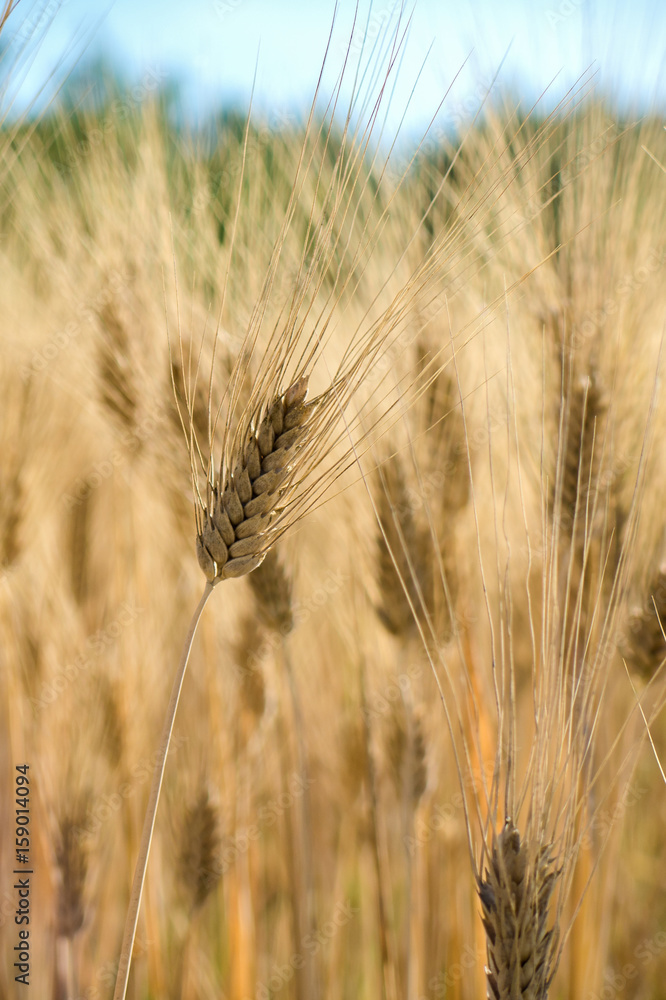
x,y
420,734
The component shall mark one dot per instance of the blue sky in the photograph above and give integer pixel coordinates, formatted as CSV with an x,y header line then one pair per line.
x,y
213,46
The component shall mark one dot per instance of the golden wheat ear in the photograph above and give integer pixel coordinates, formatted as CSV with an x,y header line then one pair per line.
x,y
235,526
515,897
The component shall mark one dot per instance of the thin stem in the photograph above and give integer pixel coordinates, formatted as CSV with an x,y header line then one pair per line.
x,y
310,968
153,800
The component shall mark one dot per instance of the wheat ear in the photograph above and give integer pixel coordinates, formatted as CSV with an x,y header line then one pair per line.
x,y
72,868
234,525
515,897
646,625
199,868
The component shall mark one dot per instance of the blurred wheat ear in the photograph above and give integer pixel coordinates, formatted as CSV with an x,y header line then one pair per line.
x,y
72,869
198,864
647,626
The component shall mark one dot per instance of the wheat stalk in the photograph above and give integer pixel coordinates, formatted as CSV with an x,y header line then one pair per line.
x,y
132,917
248,506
